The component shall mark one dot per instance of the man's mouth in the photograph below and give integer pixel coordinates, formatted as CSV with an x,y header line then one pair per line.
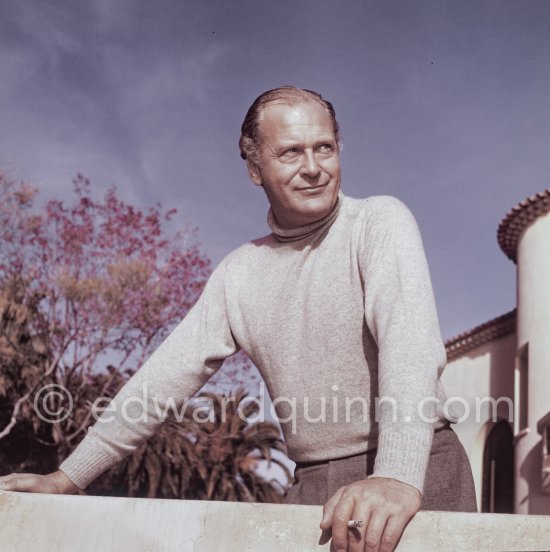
x,y
312,188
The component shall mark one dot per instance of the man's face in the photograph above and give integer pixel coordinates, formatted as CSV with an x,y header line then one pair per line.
x,y
299,162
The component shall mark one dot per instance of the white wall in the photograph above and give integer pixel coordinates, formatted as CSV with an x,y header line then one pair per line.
x,y
54,523
482,373
533,255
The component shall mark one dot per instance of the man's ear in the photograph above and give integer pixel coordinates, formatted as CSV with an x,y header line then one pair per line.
x,y
254,172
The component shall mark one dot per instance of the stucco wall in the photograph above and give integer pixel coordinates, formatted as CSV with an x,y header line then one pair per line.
x,y
533,328
481,374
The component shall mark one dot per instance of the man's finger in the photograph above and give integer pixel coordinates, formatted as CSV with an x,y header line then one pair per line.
x,y
328,509
375,529
356,536
24,483
392,533
12,482
4,478
342,514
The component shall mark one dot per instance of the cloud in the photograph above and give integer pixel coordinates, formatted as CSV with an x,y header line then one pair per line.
x,y
90,88
445,108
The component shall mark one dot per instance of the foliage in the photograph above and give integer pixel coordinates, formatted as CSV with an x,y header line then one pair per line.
x,y
87,292
23,357
88,285
209,456
109,277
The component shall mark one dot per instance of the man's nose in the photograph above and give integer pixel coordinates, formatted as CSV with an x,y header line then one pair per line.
x,y
310,167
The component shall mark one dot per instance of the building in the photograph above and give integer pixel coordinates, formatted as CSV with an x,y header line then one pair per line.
x,y
498,376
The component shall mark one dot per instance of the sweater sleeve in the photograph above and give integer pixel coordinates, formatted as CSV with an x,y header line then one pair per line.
x,y
163,385
401,315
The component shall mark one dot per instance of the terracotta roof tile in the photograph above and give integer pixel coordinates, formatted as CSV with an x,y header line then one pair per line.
x,y
489,331
518,219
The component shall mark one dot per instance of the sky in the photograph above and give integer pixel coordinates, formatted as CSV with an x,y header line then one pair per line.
x,y
443,104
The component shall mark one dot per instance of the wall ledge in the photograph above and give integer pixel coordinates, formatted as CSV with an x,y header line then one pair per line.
x,y
55,523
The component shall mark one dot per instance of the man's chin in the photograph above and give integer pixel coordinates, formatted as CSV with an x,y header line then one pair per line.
x,y
316,210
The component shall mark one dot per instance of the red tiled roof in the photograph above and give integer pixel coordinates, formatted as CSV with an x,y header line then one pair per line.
x,y
489,331
518,219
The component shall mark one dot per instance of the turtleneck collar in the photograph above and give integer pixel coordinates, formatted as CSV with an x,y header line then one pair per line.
x,y
295,234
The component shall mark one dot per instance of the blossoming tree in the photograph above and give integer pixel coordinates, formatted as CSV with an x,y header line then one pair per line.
x,y
87,292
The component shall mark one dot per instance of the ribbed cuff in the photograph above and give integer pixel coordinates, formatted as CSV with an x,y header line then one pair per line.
x,y
403,456
88,461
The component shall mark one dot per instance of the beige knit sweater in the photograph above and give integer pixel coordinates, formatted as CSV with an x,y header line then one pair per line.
x,y
334,315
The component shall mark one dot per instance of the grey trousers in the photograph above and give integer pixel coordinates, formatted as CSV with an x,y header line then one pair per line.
x,y
448,486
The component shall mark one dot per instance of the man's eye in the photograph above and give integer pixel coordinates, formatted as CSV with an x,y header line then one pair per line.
x,y
326,148
290,152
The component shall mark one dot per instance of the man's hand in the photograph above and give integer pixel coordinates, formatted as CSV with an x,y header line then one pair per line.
x,y
385,506
53,483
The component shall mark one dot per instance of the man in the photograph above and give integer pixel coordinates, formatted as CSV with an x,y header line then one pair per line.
x,y
336,304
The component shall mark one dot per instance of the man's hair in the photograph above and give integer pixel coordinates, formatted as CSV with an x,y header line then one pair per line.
x,y
249,143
